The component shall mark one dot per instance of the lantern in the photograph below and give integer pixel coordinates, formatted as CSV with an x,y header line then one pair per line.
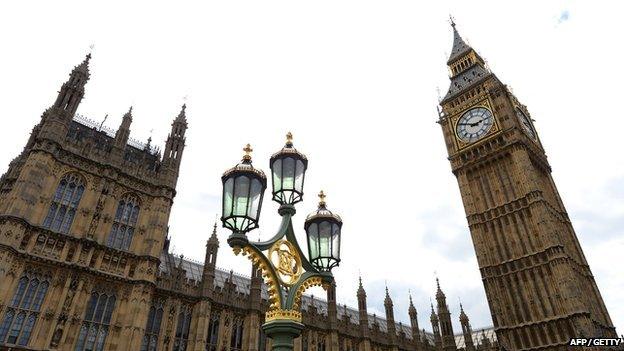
x,y
323,232
243,189
288,168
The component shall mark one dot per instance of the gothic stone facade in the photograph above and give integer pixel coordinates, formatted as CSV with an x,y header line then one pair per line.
x,y
538,283
85,265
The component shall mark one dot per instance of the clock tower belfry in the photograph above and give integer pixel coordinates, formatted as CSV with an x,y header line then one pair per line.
x,y
539,286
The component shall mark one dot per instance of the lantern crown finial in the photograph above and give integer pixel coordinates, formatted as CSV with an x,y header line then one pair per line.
x,y
322,197
289,139
248,150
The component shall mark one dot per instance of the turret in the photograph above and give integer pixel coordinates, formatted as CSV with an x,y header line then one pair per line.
x,y
72,91
174,147
446,326
361,297
123,133
413,314
389,306
56,119
255,289
435,325
332,309
466,329
208,274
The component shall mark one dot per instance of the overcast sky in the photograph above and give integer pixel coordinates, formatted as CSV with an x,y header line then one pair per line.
x,y
356,83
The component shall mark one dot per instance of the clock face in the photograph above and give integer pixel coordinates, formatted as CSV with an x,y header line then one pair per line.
x,y
474,124
526,123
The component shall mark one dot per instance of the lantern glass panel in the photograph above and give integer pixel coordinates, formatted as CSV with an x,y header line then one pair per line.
x,y
313,241
241,196
299,176
254,203
277,175
288,173
227,197
335,241
324,238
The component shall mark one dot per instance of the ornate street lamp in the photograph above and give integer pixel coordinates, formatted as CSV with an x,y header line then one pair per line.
x,y
285,268
323,231
288,168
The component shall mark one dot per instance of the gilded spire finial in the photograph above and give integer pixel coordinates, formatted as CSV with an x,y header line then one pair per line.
x,y
289,139
322,197
248,150
452,20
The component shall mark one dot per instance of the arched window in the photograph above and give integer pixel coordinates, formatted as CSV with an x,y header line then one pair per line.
x,y
213,332
64,203
152,329
23,311
123,226
320,343
236,338
96,323
182,329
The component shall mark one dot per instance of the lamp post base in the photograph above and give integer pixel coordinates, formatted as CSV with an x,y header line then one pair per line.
x,y
282,333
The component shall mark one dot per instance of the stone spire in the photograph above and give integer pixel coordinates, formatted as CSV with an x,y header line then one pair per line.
x,y
123,133
413,314
56,120
332,308
391,326
210,262
361,297
435,325
446,326
466,329
72,91
174,146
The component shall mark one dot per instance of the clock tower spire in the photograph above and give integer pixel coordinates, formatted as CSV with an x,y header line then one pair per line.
x,y
539,286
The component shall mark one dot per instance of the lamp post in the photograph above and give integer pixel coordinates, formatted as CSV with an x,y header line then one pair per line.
x,y
286,270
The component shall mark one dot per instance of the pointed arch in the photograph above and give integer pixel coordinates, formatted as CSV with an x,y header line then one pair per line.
x,y
124,223
22,313
65,203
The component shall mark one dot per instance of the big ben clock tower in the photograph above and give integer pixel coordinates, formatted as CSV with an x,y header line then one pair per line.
x,y
539,286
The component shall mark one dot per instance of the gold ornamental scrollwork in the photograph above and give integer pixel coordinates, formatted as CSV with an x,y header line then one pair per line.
x,y
267,274
283,314
287,263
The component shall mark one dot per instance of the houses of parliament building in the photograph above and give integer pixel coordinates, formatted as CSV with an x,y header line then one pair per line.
x,y
85,261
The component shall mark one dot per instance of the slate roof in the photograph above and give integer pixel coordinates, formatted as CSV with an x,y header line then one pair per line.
x,y
459,46
465,80
194,270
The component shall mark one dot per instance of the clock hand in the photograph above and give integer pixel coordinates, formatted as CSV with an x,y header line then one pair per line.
x,y
476,123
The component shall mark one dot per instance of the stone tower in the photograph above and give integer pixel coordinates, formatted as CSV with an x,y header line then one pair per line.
x,y
413,315
466,329
444,316
389,308
540,289
435,326
83,216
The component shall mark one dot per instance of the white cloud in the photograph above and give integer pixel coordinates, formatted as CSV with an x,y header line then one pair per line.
x,y
355,81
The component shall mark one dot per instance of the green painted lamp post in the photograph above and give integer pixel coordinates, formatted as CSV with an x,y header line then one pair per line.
x,y
287,272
